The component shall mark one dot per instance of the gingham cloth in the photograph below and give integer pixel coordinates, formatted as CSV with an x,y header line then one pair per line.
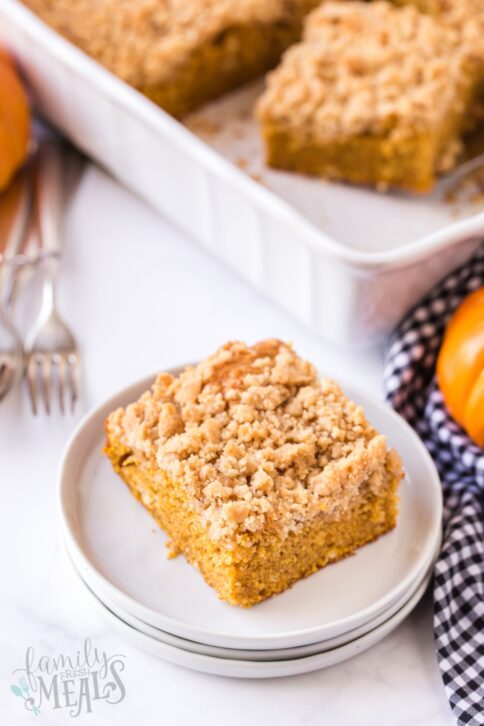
x,y
458,584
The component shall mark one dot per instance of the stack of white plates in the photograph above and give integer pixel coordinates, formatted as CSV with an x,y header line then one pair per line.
x,y
164,606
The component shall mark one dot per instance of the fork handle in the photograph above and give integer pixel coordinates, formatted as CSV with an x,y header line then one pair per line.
x,y
50,184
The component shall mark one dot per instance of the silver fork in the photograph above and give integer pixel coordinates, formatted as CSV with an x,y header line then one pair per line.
x,y
52,353
15,211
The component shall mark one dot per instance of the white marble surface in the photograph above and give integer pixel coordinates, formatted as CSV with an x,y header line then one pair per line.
x,y
142,297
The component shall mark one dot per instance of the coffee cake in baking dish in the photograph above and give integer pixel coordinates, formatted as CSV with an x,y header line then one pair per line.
x,y
374,94
180,53
259,471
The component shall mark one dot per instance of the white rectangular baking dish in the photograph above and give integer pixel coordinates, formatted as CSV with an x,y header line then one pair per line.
x,y
346,262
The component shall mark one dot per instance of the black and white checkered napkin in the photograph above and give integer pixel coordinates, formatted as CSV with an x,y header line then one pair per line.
x,y
459,573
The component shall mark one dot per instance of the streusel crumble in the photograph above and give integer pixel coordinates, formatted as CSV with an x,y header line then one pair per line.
x,y
259,471
466,17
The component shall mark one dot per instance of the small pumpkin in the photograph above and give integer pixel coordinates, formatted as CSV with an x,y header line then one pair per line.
x,y
460,366
14,121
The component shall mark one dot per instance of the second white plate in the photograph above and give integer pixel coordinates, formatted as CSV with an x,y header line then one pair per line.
x,y
231,668
244,654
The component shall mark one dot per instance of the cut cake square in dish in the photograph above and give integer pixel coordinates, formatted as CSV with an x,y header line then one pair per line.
x,y
466,17
259,471
179,53
373,94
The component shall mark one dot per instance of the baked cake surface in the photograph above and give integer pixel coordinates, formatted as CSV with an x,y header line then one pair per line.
x,y
180,53
374,94
260,472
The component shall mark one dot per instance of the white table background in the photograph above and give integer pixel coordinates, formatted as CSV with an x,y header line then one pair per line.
x,y
142,297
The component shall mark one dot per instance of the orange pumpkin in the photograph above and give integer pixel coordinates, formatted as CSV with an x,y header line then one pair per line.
x,y
460,366
14,121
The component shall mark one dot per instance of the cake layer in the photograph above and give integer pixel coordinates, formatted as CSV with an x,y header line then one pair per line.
x,y
409,164
236,56
246,575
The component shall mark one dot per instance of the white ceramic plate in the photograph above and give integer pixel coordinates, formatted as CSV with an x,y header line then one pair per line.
x,y
233,653
117,540
97,585
257,669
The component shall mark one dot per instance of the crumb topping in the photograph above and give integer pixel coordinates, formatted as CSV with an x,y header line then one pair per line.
x,y
257,440
367,68
144,41
464,16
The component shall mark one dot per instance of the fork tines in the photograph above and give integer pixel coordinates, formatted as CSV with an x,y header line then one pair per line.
x,y
48,371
